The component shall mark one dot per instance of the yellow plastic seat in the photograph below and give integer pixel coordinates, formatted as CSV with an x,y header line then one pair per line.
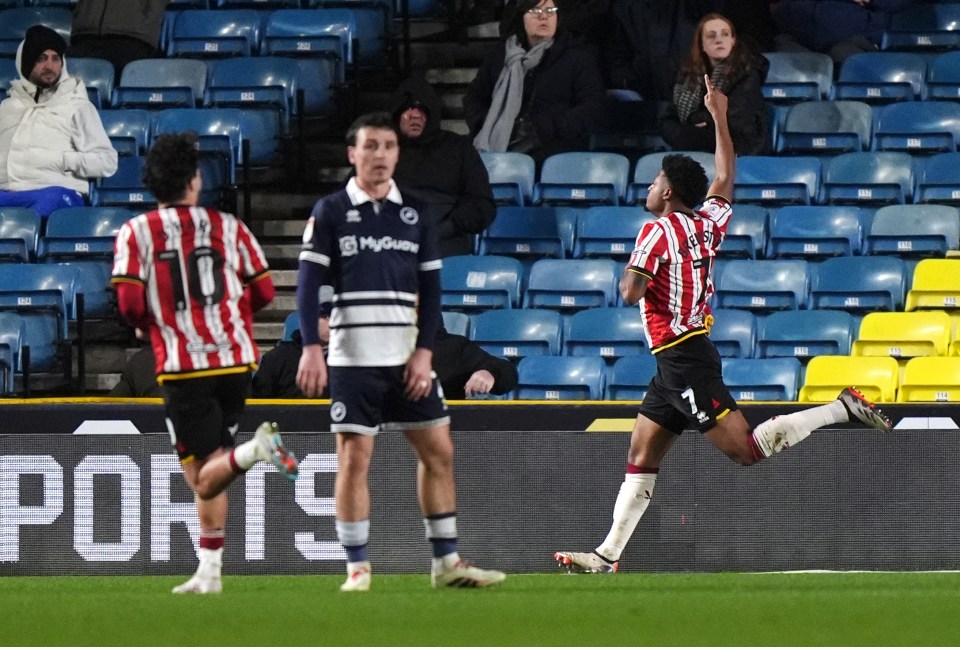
x,y
931,379
828,375
904,334
936,285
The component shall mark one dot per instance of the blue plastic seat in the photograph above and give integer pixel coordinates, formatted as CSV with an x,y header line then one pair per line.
x,y
762,379
943,76
258,82
858,284
798,76
291,323
19,230
572,284
819,127
511,175
650,164
81,233
881,77
42,295
457,323
630,377
128,130
12,332
609,333
870,178
763,285
374,19
916,230
609,232
815,232
777,180
92,288
734,332
124,188
939,179
523,232
224,32
480,282
918,127
560,378
582,179
97,75
324,33
15,22
806,333
266,5
746,232
923,27
518,333
159,83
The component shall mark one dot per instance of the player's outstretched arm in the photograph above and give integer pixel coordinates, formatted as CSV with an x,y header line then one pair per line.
x,y
725,159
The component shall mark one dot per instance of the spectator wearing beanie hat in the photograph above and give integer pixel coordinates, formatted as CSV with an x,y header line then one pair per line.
x,y
52,142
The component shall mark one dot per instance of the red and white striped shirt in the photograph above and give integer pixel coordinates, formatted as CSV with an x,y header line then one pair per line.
x,y
676,253
194,264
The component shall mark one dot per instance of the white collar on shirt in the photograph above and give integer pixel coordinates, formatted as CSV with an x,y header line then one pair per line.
x,y
358,196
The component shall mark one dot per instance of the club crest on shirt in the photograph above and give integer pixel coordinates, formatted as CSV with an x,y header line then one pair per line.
x,y
353,216
409,215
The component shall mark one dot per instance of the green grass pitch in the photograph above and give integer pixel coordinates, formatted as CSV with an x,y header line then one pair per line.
x,y
835,609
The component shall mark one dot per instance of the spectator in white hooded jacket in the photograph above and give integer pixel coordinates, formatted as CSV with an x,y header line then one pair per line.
x,y
52,141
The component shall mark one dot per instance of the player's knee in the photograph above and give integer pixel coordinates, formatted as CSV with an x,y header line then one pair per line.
x,y
205,491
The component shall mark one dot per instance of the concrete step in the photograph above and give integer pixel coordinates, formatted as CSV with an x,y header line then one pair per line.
x,y
458,126
278,309
267,331
279,228
451,76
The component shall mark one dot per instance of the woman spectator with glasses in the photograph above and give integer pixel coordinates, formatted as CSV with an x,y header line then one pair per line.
x,y
538,94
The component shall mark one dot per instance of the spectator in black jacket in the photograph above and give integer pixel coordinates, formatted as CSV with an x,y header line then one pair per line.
x,y
138,378
538,94
442,169
733,70
119,31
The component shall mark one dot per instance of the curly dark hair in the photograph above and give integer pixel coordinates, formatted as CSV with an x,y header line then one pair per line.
x,y
371,120
687,179
171,163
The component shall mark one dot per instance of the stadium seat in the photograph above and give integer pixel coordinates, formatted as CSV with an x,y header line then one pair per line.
x,y
918,127
480,282
15,22
81,233
159,83
560,378
650,164
223,32
734,332
913,230
609,333
923,28
323,33
267,5
12,332
42,294
512,177
939,180
762,379
814,232
904,334
858,284
255,83
868,178
457,323
805,333
290,324
518,333
798,76
92,281
128,130
826,127
936,285
826,376
777,180
763,285
124,188
97,75
746,232
523,232
374,19
930,379
630,377
881,77
19,230
567,219
572,284
582,179
943,76
609,232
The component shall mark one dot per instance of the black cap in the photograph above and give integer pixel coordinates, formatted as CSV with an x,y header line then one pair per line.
x,y
409,102
36,41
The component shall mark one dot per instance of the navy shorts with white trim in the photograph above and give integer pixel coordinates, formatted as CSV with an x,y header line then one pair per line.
x,y
369,399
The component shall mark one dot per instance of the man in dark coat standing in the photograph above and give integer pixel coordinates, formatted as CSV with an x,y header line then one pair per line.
x,y
441,169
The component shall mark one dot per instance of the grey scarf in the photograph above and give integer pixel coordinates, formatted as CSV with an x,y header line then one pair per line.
x,y
688,94
508,95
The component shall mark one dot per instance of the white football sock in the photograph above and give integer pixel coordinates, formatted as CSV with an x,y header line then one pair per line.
x,y
781,432
632,501
211,561
246,455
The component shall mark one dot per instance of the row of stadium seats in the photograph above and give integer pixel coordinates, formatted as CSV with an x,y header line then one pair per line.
x,y
854,284
811,232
